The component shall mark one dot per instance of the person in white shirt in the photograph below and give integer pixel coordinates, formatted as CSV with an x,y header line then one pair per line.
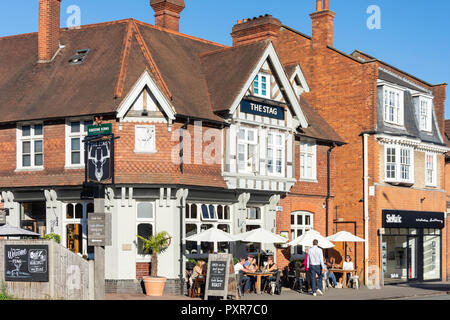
x,y
239,266
348,265
316,267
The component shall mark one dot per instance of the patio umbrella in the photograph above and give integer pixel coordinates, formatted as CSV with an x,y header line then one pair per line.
x,y
10,231
308,237
260,236
345,236
212,235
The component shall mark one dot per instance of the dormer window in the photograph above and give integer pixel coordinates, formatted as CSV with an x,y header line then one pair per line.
x,y
425,112
393,105
261,85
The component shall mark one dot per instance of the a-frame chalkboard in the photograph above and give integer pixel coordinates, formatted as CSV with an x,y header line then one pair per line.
x,y
220,277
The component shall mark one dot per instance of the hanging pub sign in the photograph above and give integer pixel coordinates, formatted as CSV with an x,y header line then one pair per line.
x,y
261,109
26,263
99,159
3,214
413,219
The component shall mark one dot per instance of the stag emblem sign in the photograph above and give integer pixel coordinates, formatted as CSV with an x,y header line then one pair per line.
x,y
99,157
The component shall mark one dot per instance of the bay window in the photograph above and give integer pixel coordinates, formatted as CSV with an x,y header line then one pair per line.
x,y
30,146
393,105
248,150
399,164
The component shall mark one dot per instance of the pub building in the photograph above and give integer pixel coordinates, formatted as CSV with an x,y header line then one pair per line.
x,y
208,136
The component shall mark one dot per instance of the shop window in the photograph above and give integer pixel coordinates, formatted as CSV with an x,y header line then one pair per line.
x,y
74,238
431,256
33,217
144,230
301,222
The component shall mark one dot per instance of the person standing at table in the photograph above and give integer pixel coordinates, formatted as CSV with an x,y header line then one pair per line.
x,y
348,265
316,267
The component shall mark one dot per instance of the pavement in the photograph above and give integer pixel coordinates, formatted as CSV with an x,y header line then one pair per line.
x,y
412,291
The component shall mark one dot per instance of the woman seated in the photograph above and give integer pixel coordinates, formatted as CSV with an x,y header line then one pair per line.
x,y
271,266
348,265
331,264
199,270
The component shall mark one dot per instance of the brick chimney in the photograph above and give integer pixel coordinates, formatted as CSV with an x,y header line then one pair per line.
x,y
252,30
48,34
167,13
322,24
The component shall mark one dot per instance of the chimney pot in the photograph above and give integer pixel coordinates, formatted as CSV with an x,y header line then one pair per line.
x,y
264,27
49,26
319,6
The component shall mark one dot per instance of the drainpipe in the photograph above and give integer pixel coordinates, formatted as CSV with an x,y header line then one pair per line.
x,y
366,206
328,187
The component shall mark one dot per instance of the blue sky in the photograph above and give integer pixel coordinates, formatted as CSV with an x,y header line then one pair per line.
x,y
414,35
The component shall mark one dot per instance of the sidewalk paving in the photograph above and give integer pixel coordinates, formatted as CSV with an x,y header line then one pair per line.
x,y
389,292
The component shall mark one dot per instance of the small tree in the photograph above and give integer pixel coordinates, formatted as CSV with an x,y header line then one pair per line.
x,y
155,245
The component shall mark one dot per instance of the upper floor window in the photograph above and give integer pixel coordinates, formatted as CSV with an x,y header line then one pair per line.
x,y
399,164
30,146
76,131
393,105
254,213
425,113
275,153
308,160
248,150
261,85
430,170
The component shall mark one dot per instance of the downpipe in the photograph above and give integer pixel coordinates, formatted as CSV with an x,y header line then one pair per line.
x,y
366,208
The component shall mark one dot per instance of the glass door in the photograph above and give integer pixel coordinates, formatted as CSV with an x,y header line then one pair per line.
x,y
412,258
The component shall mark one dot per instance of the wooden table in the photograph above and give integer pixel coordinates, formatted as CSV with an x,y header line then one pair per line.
x,y
344,275
258,276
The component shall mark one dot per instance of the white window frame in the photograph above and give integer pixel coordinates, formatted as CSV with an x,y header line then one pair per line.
x,y
393,99
248,164
304,227
32,138
73,135
257,85
398,164
425,118
275,149
311,151
433,169
150,221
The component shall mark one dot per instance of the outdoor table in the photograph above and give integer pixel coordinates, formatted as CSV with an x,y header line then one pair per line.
x,y
344,275
258,276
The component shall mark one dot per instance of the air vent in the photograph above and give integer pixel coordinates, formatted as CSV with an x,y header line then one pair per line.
x,y
80,56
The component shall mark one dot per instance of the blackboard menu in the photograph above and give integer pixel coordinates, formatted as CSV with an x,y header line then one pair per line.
x,y
218,271
26,263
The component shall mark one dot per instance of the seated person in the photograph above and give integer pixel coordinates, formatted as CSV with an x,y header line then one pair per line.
x,y
199,270
348,265
330,264
270,267
249,266
239,266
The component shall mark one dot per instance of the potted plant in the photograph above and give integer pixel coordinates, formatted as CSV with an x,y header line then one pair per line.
x,y
154,245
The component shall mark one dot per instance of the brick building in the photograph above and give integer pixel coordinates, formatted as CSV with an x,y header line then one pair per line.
x,y
393,163
209,136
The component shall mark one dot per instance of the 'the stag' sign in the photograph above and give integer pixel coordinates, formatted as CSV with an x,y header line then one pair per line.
x,y
99,160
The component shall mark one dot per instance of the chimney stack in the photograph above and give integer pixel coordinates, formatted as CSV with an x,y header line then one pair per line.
x,y
257,29
49,25
322,24
167,13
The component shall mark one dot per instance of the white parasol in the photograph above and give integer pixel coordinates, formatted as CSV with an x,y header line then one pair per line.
x,y
307,239
212,235
10,231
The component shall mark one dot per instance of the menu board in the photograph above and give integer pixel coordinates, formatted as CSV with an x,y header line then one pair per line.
x,y
218,271
26,263
220,278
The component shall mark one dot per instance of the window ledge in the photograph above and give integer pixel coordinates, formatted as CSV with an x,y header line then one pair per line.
x,y
77,167
32,169
309,180
145,152
400,183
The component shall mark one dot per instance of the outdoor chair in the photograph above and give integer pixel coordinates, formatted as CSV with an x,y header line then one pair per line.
x,y
354,281
240,283
197,287
298,280
274,286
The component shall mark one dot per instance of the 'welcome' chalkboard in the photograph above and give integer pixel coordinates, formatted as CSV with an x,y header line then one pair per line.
x,y
26,263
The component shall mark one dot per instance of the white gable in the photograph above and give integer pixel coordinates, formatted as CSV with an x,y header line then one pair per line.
x,y
299,82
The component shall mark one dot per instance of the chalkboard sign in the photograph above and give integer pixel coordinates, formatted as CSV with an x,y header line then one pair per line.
x,y
3,214
220,278
26,263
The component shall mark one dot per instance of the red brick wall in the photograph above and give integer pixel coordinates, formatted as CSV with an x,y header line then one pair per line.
x,y
49,24
142,270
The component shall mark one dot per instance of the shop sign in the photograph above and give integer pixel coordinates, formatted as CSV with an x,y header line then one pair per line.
x,y
26,263
261,109
413,219
99,227
100,160
3,214
101,129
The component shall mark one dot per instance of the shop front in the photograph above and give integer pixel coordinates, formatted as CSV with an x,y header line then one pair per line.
x,y
411,246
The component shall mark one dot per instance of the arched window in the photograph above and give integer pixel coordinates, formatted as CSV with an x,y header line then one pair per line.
x,y
301,222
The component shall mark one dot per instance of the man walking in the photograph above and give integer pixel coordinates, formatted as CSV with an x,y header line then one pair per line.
x,y
316,267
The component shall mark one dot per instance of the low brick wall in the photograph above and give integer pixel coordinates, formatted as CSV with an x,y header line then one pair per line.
x,y
172,287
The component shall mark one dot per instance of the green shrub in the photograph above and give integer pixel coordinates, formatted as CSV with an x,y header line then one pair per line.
x,y
3,294
53,236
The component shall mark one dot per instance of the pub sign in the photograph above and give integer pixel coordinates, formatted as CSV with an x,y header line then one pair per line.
x,y
99,160
262,109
